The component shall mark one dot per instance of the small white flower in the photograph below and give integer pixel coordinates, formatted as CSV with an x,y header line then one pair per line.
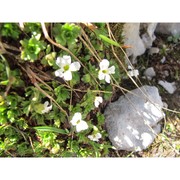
x,y
46,107
66,67
98,100
95,137
78,122
133,72
105,71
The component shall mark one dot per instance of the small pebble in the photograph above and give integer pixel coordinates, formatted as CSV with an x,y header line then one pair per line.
x,y
153,50
169,87
163,59
150,73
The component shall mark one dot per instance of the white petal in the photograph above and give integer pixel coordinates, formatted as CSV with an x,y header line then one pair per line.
x,y
107,78
136,72
58,61
130,73
133,72
46,104
75,66
59,73
95,137
112,70
91,137
67,75
98,100
104,64
46,108
77,116
67,59
63,61
98,135
81,126
101,75
96,103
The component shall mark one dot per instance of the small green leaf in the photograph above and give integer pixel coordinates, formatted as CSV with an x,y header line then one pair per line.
x,y
108,40
51,129
86,78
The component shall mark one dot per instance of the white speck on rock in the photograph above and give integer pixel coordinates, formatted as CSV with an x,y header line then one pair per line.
x,y
169,87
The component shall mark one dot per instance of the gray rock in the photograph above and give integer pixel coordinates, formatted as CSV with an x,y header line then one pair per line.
x,y
169,87
132,38
153,50
132,121
138,42
148,37
150,73
168,28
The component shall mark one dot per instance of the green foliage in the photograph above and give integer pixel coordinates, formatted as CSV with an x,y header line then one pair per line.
x,y
10,30
175,38
66,34
31,49
108,40
28,131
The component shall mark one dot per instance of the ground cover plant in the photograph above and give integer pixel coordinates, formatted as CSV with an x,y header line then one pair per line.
x,y
55,81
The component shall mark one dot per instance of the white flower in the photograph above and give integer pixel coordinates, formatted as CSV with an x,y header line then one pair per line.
x,y
78,122
46,107
95,137
66,67
104,72
98,100
133,72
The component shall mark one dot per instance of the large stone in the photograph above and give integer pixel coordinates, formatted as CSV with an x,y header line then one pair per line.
x,y
132,121
168,28
132,38
148,37
138,42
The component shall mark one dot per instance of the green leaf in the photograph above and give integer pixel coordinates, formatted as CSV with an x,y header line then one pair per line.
x,y
86,78
50,129
108,40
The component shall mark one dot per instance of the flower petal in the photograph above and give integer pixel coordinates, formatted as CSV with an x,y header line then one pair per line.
x,y
101,75
91,137
133,72
46,104
75,66
104,64
67,59
77,116
96,103
112,70
58,61
67,75
59,73
81,126
107,78
46,108
98,100
98,135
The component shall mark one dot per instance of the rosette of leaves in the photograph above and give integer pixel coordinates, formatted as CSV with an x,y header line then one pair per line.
x,y
66,34
31,49
10,30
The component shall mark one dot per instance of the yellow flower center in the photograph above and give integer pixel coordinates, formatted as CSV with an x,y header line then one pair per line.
x,y
78,121
66,67
105,71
